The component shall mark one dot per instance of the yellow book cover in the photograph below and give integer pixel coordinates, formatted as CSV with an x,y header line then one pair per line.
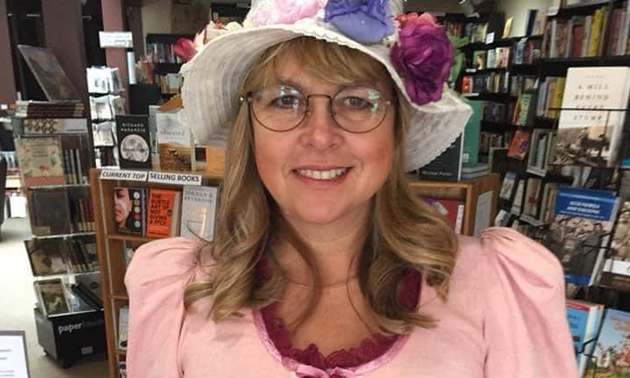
x,y
596,32
557,97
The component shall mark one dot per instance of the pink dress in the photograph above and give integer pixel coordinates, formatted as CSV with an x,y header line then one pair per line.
x,y
505,318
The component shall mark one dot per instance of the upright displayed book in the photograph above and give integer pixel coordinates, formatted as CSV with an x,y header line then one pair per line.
x,y
174,143
592,137
447,166
48,73
52,297
41,161
519,145
616,273
132,132
613,346
130,210
584,321
199,204
164,207
580,231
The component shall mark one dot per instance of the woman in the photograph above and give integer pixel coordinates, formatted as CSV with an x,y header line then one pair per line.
x,y
325,264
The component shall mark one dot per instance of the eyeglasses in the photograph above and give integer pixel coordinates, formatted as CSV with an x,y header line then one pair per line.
x,y
283,108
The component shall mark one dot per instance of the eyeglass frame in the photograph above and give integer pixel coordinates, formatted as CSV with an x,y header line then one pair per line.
x,y
249,97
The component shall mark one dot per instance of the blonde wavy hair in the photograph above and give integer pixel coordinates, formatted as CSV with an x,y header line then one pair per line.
x,y
403,233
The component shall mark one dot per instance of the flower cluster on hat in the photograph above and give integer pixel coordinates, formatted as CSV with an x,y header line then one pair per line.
x,y
274,12
365,21
422,56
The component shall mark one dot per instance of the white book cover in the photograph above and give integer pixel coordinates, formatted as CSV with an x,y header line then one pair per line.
x,y
123,325
199,206
591,136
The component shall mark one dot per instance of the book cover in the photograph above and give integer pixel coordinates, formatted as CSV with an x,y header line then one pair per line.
x,y
556,97
580,230
517,202
613,346
524,112
123,325
163,213
584,319
41,161
49,212
616,272
48,73
199,205
508,186
52,296
130,210
479,60
591,137
452,210
447,166
174,143
532,197
519,145
471,134
47,256
132,132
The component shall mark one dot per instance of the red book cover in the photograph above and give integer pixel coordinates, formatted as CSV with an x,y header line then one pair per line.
x,y
578,36
162,212
520,145
452,210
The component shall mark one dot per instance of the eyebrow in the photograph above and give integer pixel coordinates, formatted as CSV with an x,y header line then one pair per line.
x,y
295,84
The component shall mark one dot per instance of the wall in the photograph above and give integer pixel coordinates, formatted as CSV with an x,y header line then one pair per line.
x,y
518,9
156,16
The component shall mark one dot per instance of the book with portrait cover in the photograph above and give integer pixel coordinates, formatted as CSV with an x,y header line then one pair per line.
x,y
610,355
580,231
130,210
199,204
132,133
592,137
163,210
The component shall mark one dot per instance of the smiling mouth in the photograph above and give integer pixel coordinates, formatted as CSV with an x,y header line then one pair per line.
x,y
324,175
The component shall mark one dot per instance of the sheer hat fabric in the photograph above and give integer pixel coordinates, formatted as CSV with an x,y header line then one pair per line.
x,y
214,77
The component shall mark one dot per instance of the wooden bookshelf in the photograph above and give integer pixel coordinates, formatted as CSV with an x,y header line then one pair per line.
x,y
111,255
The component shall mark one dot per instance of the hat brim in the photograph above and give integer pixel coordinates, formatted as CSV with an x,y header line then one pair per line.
x,y
212,81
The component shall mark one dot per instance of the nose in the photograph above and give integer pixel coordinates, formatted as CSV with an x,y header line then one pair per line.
x,y
319,129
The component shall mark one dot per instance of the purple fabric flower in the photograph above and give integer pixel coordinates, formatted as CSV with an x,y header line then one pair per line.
x,y
423,57
365,21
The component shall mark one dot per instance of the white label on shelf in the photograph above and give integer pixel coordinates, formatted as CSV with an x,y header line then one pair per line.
x,y
175,178
110,174
115,39
13,359
489,38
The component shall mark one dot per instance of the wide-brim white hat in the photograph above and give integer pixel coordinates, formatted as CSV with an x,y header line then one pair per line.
x,y
213,78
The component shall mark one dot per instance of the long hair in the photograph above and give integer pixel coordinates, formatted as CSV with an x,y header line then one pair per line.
x,y
403,232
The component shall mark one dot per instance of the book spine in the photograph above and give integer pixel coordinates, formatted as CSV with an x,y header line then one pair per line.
x,y
79,173
623,35
588,28
595,33
66,166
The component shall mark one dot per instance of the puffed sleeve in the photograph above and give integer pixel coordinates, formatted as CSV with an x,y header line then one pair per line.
x,y
155,280
525,324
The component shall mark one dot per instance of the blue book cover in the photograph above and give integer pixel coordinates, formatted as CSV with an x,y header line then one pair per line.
x,y
611,357
581,228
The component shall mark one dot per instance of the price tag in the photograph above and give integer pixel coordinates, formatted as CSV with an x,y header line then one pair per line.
x,y
115,39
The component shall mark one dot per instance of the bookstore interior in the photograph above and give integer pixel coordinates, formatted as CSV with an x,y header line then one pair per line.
x,y
90,120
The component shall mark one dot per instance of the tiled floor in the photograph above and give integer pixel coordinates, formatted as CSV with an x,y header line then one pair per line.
x,y
17,299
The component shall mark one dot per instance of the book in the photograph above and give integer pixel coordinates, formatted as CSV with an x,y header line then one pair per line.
x,y
539,151
132,132
452,210
584,320
532,197
123,325
473,171
580,230
43,126
174,143
163,210
46,256
519,145
479,60
508,186
199,204
48,72
51,296
41,161
447,166
548,204
524,112
130,210
613,344
591,137
517,202
91,284
49,212
470,154
616,272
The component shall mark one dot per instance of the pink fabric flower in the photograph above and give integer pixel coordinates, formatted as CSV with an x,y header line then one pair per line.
x,y
274,12
423,56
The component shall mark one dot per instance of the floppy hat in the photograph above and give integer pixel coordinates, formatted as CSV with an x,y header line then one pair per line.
x,y
415,52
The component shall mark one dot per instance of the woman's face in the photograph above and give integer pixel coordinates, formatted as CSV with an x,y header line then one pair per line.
x,y
290,162
122,205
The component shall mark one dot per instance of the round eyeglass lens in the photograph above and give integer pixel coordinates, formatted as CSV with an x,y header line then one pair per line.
x,y
359,109
278,107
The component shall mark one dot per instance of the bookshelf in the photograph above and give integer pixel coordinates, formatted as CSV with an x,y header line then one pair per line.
x,y
111,246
